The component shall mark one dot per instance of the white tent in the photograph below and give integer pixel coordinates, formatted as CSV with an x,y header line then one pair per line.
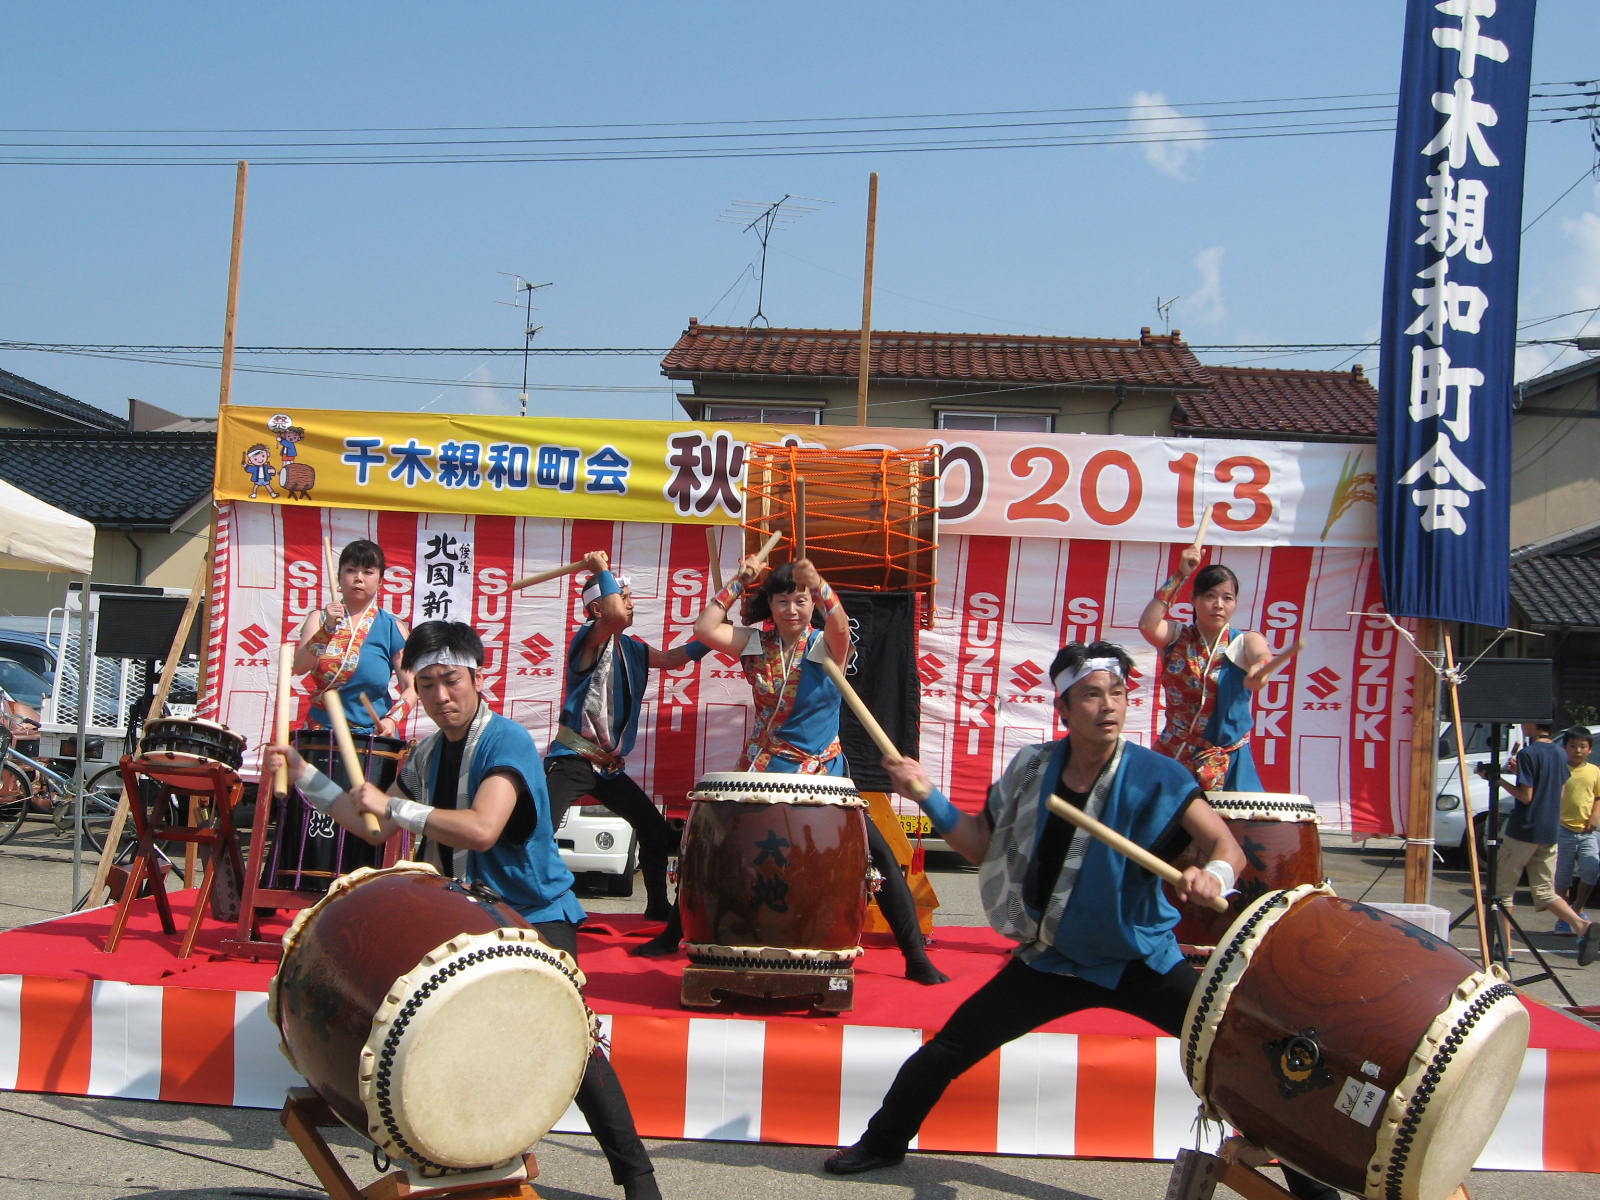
x,y
36,537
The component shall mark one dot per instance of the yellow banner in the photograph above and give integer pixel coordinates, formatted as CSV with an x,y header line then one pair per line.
x,y
654,471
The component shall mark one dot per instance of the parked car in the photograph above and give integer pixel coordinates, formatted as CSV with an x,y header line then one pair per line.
x,y
32,651
1449,810
600,848
22,682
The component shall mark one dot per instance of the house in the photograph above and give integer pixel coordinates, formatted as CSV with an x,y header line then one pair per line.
x,y
1555,596
1555,448
1152,385
143,480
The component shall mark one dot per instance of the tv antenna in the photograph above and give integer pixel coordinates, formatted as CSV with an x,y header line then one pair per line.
x,y
1164,310
762,219
524,301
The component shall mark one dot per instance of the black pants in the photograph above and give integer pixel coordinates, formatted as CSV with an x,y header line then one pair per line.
x,y
895,901
1016,1001
600,1097
570,777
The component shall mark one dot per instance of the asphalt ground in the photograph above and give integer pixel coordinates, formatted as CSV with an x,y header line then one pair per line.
x,y
56,1147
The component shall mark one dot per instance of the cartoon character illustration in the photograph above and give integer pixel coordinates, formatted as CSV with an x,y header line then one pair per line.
x,y
286,443
258,465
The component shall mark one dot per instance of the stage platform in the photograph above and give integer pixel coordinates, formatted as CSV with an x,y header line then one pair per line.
x,y
143,1023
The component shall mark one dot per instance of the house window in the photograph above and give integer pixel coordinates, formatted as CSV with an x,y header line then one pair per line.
x,y
762,414
1009,422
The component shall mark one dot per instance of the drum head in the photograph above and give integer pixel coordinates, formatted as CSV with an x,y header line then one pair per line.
x,y
477,1052
776,787
1263,806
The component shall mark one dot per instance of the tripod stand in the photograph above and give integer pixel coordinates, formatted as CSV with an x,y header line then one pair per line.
x,y
1500,915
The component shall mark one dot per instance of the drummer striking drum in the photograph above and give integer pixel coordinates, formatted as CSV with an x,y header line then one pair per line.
x,y
475,794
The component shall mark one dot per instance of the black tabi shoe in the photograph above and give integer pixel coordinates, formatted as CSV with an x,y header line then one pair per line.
x,y
855,1159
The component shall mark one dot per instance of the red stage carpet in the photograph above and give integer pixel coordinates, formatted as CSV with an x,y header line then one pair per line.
x,y
143,1023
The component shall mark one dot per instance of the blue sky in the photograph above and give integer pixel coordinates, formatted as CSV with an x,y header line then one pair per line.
x,y
1264,240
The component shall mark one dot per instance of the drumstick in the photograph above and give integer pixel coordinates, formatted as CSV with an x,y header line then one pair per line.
x,y
347,749
552,573
711,556
280,722
330,564
1281,659
799,518
1133,850
1205,522
371,712
863,713
766,549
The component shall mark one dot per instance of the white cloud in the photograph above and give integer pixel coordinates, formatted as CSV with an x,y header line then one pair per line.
x,y
1205,302
1160,127
1572,286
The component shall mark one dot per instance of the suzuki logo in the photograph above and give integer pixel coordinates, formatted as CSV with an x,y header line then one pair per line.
x,y
1323,682
536,648
253,640
930,668
1026,676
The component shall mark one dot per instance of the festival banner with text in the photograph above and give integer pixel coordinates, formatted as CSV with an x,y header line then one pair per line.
x,y
1334,725
1078,486
1450,309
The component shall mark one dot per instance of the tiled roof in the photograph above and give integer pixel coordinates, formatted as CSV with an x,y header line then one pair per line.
x,y
147,480
1260,401
732,351
25,391
1558,589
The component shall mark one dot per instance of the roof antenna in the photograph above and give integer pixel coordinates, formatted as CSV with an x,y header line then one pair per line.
x,y
763,219
524,288
1164,311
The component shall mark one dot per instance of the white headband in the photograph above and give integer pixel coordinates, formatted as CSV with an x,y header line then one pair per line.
x,y
445,658
592,592
1068,677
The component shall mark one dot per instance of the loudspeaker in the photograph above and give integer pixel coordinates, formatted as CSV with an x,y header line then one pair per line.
x,y
141,627
1509,691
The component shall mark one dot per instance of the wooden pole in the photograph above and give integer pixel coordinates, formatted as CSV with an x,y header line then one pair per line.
x,y
1466,800
865,356
1423,772
240,186
799,518
330,567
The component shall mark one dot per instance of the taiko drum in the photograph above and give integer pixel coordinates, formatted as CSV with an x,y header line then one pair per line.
x,y
773,870
1282,849
1354,1045
433,1021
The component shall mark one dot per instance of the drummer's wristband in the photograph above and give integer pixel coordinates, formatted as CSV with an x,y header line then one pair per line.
x,y
696,649
408,814
608,584
730,592
320,791
826,600
1168,591
940,811
1221,870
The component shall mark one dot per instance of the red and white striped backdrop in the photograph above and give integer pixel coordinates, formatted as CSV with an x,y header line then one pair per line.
x,y
1334,726
730,1079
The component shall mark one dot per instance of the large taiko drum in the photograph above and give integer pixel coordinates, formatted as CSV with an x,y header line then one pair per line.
x,y
1279,836
185,743
773,871
309,849
1353,1045
433,1021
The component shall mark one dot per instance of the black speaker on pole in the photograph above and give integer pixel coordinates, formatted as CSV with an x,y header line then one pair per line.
x,y
1509,691
883,630
141,627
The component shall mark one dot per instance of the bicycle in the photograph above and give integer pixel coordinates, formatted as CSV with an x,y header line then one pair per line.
x,y
25,782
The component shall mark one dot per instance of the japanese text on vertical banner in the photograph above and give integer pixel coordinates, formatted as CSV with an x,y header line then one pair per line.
x,y
1450,309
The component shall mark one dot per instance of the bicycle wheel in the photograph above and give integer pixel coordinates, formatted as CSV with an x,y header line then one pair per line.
x,y
14,792
101,792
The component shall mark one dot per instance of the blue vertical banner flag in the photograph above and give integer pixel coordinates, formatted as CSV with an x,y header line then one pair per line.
x,y
1450,310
